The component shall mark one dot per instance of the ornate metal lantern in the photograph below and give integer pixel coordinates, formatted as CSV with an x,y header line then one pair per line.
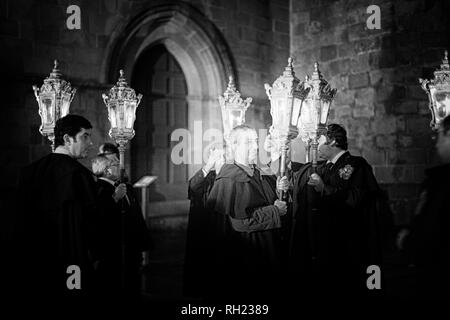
x,y
233,110
121,103
314,113
53,98
438,91
286,98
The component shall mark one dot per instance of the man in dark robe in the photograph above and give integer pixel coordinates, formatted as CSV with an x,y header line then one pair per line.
x,y
56,224
336,231
125,234
427,240
244,206
198,274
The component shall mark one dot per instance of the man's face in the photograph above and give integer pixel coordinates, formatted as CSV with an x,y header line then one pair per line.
x,y
80,145
247,146
324,149
443,146
113,170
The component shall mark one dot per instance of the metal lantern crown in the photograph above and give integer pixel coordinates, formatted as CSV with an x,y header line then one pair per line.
x,y
53,98
314,114
121,102
438,91
233,108
286,98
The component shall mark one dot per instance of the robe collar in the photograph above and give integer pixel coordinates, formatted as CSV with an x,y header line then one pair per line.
x,y
337,156
62,150
249,170
107,180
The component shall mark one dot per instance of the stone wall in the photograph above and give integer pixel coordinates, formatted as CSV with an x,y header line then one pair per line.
x,y
34,33
376,72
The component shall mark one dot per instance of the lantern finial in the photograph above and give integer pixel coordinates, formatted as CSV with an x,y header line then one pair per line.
x,y
445,65
316,74
231,86
289,70
122,82
55,74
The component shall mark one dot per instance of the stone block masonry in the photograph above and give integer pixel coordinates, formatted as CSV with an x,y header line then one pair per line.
x,y
376,72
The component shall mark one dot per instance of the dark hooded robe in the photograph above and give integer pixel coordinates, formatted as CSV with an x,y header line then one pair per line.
x,y
428,244
336,233
197,272
124,240
56,226
245,234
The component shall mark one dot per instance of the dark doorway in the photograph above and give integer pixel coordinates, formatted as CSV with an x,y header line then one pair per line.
x,y
158,76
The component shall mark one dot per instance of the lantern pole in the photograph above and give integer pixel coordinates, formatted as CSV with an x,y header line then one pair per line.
x,y
122,102
286,97
307,151
122,147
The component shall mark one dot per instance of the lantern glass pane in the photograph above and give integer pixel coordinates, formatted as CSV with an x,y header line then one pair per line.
x,y
316,112
305,112
296,111
442,103
130,109
48,107
324,112
235,117
112,112
65,105
281,115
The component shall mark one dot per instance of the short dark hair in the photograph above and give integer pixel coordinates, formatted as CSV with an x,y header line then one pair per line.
x,y
109,148
70,124
445,124
337,133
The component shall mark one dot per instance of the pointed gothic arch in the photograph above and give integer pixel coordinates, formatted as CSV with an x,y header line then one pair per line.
x,y
196,44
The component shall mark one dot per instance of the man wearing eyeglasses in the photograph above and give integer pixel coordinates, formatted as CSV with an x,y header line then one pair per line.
x,y
126,235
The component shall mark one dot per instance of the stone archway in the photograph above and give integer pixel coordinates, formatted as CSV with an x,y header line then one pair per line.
x,y
199,49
